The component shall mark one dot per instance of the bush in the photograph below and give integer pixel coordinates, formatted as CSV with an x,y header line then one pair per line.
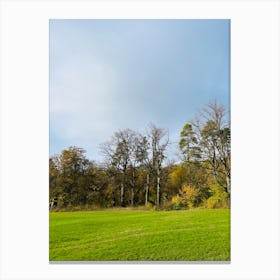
x,y
150,206
188,197
218,199
177,202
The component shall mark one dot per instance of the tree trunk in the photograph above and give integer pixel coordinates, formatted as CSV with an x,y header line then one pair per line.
x,y
114,199
147,189
158,188
228,184
122,194
132,188
132,197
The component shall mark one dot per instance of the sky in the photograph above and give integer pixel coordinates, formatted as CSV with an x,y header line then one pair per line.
x,y
107,75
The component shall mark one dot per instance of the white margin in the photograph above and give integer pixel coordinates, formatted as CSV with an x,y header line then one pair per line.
x,y
255,137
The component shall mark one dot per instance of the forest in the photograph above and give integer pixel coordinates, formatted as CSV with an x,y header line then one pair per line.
x,y
137,173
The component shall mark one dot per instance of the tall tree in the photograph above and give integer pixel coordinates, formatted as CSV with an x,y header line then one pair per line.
x,y
54,173
215,141
136,159
142,154
118,152
189,144
159,141
209,135
75,179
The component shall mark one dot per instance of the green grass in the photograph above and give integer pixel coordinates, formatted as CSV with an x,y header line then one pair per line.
x,y
129,235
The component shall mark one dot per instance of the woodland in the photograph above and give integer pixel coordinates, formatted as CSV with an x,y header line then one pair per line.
x,y
137,173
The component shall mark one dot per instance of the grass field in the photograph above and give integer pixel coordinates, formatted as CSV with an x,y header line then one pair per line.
x,y
129,235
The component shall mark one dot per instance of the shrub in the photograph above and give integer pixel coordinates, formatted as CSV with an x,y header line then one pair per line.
x,y
188,197
177,202
191,196
150,206
218,199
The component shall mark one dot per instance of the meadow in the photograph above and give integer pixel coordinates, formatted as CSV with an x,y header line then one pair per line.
x,y
137,235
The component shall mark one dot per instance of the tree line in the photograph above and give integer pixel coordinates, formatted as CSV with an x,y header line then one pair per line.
x,y
136,171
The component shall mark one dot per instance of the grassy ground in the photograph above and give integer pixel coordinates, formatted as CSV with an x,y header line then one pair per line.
x,y
200,235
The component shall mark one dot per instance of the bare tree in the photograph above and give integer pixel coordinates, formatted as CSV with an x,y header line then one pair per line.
x,y
159,141
117,151
137,157
212,133
142,155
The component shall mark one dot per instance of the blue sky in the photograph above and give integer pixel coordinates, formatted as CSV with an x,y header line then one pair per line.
x,y
107,75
